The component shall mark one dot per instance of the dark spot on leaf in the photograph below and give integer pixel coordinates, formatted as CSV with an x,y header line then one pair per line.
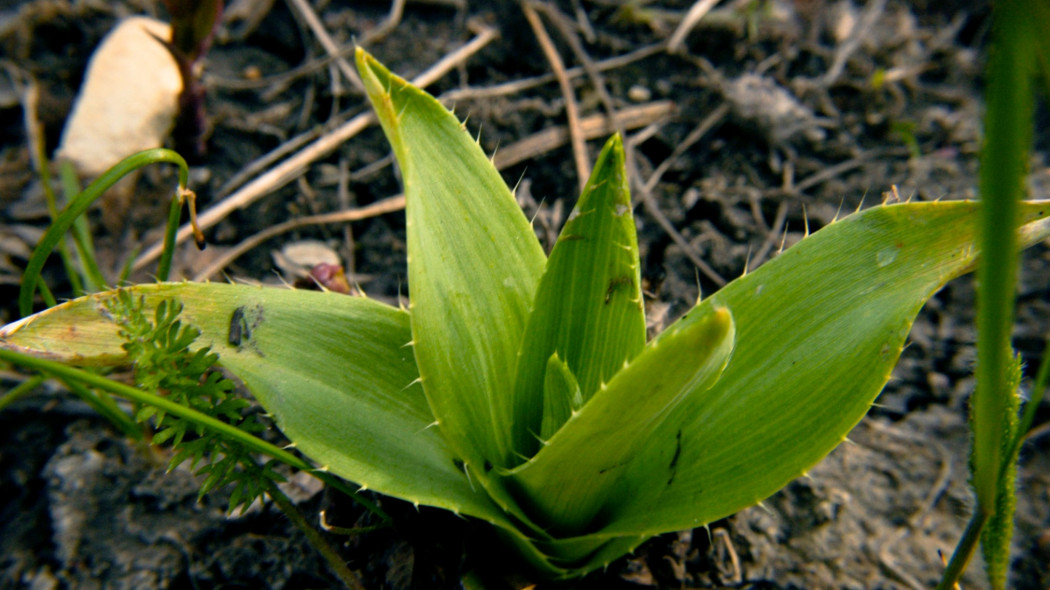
x,y
487,466
243,323
239,328
459,465
614,284
674,458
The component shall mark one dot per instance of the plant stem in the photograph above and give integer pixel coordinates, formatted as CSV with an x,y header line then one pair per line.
x,y
1030,407
21,390
170,229
314,537
94,281
104,405
1004,159
964,550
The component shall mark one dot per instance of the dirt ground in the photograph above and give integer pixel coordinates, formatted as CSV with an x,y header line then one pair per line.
x,y
875,99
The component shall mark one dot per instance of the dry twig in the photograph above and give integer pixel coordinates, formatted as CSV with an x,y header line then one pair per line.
x,y
591,127
530,147
579,145
289,169
389,205
317,27
696,12
517,86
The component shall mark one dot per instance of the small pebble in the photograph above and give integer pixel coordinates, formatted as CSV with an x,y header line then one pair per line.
x,y
639,93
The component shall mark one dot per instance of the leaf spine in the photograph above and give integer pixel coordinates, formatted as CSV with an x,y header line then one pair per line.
x,y
783,239
470,480
861,204
842,202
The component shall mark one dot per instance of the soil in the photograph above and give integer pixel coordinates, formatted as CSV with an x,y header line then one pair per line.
x,y
891,109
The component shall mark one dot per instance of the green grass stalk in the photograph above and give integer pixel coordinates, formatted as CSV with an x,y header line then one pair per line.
x,y
21,390
107,408
80,204
93,279
70,266
1004,160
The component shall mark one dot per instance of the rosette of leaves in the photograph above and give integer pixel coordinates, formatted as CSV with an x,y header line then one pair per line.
x,y
520,390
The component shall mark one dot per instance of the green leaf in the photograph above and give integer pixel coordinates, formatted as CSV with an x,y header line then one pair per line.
x,y
473,266
568,485
818,331
333,370
561,396
588,307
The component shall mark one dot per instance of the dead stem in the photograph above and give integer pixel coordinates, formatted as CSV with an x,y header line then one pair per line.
x,y
644,191
317,28
517,86
696,12
385,206
579,145
592,127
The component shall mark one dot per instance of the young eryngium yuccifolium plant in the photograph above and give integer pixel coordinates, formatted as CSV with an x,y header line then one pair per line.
x,y
519,389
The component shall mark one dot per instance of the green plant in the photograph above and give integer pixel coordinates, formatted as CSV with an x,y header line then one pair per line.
x,y
1019,52
520,390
